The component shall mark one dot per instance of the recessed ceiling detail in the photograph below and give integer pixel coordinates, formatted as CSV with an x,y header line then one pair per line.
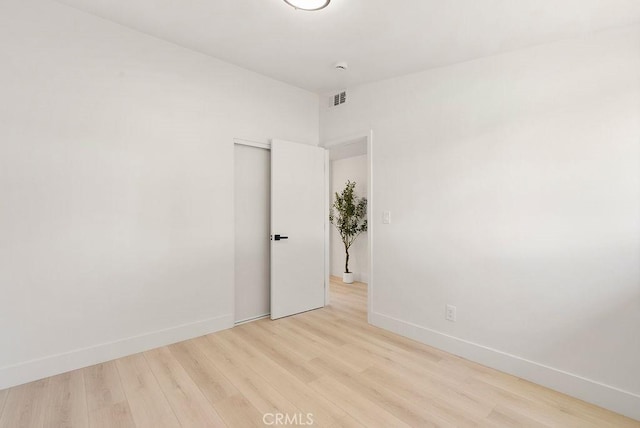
x,y
379,38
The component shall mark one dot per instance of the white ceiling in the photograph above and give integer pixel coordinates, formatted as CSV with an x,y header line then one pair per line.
x,y
378,38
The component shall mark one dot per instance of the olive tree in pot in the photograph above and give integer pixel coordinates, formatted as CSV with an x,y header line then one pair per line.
x,y
349,215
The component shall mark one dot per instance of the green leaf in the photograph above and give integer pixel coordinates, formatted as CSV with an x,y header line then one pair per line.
x,y
348,214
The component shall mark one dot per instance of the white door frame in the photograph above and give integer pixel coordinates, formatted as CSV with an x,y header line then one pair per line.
x,y
368,136
250,143
267,146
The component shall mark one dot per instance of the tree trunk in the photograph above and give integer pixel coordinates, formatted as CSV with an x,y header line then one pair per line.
x,y
346,263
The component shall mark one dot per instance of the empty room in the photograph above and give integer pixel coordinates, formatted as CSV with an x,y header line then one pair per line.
x,y
328,213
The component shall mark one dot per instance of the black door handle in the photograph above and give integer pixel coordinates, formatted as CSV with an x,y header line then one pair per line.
x,y
279,237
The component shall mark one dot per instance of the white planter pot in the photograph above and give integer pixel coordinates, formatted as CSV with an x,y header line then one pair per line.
x,y
347,278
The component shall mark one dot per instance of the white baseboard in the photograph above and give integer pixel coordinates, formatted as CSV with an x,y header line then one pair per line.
x,y
55,364
609,397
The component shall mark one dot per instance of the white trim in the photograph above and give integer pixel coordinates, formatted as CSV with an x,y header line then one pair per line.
x,y
259,317
327,228
618,400
346,139
60,363
250,143
368,136
370,224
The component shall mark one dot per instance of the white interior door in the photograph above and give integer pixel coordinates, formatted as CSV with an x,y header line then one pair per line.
x,y
297,228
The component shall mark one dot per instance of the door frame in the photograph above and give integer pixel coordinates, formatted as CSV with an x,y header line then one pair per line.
x,y
327,263
335,143
259,145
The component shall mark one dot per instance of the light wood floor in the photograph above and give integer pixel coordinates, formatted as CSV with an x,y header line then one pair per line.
x,y
328,362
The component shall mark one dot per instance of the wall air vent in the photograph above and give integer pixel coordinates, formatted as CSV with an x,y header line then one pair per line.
x,y
339,98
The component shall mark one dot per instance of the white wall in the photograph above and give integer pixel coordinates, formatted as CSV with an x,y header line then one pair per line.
x,y
116,186
354,169
514,187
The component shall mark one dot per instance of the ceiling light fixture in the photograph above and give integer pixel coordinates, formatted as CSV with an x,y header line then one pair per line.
x,y
308,4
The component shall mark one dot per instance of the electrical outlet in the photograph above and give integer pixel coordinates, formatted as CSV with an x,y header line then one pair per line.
x,y
386,217
450,313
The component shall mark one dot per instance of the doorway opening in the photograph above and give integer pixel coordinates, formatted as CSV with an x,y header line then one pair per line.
x,y
280,229
252,205
350,162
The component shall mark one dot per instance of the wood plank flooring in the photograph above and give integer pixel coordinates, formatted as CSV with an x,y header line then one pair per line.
x,y
327,363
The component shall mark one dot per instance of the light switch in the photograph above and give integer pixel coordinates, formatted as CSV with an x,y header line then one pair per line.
x,y
386,217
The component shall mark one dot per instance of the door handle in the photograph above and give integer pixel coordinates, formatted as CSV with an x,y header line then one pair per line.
x,y
279,237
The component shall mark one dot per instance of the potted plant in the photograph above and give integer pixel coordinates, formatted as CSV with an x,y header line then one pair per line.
x,y
349,215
